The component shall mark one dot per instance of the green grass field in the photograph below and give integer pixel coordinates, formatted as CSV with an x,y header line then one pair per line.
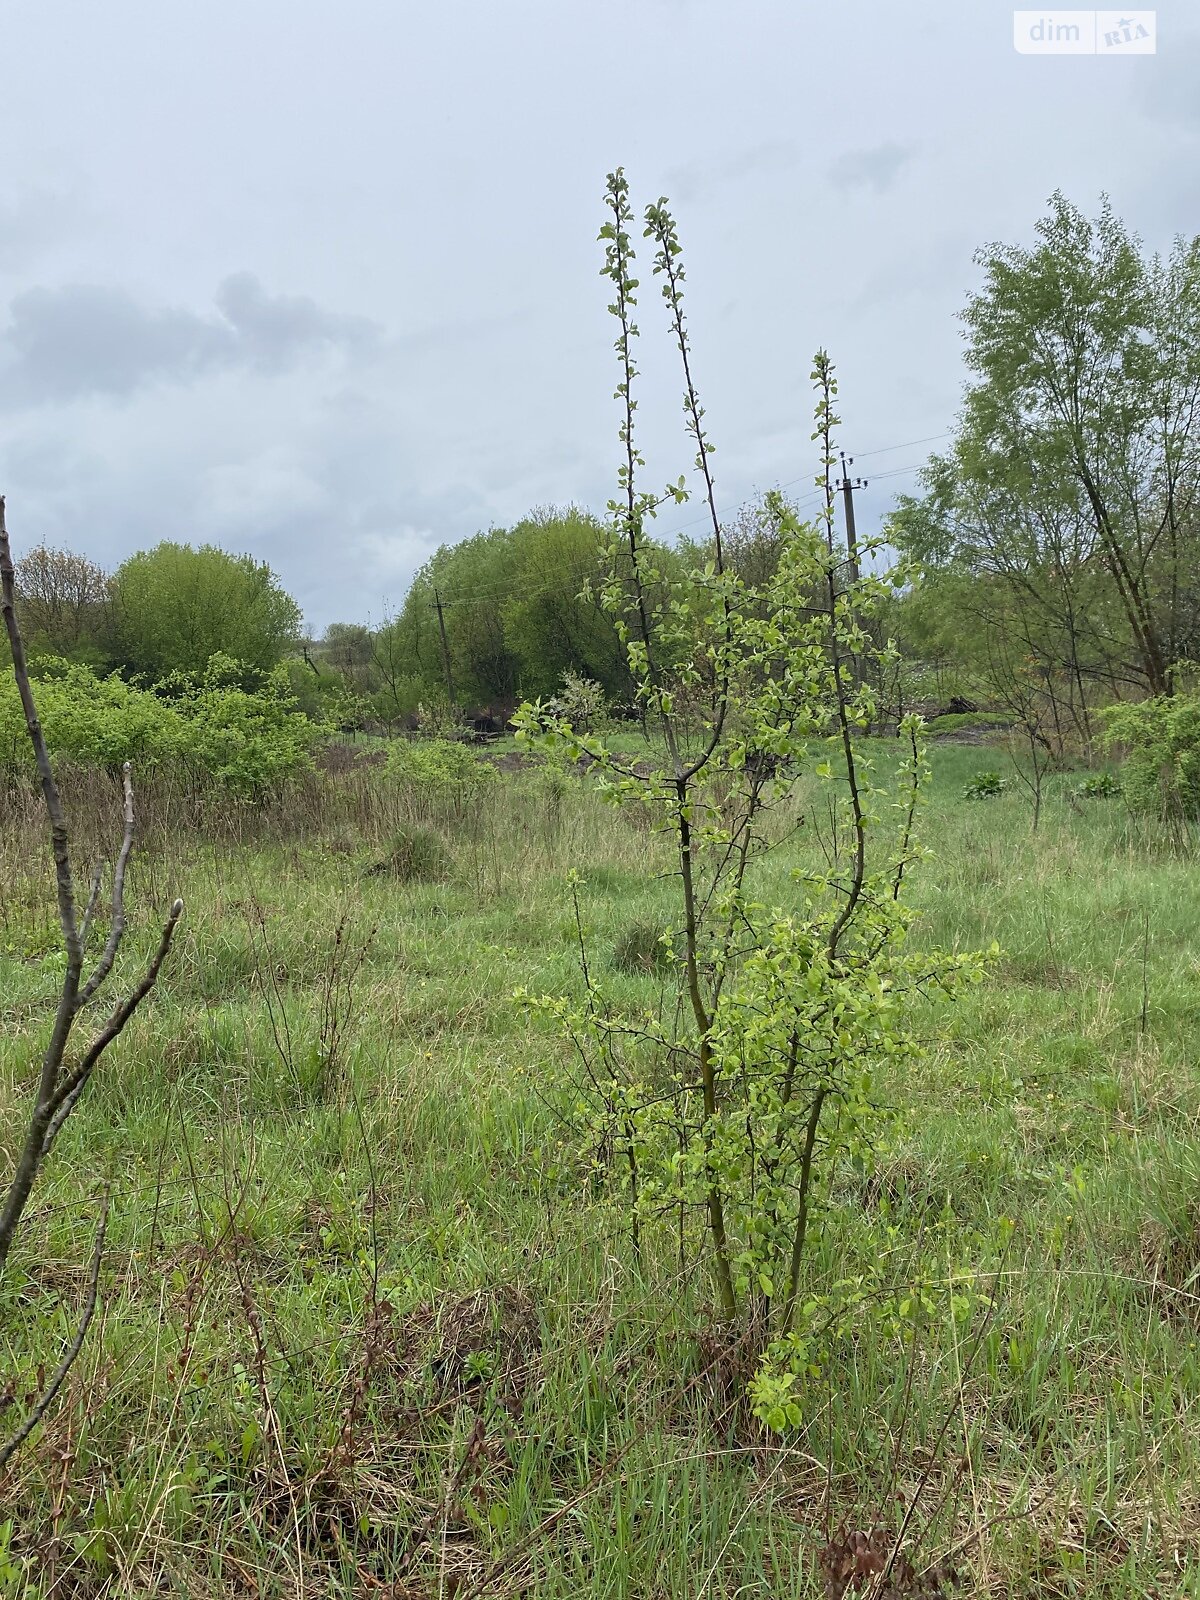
x,y
367,1330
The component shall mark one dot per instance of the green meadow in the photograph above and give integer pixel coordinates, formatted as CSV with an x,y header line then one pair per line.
x,y
370,1326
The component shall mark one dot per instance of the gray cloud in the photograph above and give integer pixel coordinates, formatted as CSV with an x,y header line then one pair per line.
x,y
876,167
460,213
273,329
82,340
697,178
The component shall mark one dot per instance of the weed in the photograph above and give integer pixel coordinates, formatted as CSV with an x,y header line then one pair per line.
x,y
985,786
1099,786
414,854
645,945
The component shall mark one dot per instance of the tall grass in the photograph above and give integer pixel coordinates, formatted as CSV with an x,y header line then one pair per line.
x,y
362,1326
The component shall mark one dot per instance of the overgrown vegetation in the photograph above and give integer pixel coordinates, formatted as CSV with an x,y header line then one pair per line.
x,y
242,742
554,1169
449,1351
1161,771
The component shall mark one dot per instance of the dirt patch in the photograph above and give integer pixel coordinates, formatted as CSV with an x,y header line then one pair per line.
x,y
509,761
336,758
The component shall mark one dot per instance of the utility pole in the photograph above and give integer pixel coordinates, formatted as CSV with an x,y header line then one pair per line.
x,y
848,487
437,606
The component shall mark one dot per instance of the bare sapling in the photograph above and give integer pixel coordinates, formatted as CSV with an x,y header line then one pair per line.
x,y
67,1066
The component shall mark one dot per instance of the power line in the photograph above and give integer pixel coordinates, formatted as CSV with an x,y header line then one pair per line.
x,y
898,472
883,449
437,605
847,487
818,494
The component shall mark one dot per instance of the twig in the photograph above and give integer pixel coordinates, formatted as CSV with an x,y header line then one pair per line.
x,y
46,1399
1145,980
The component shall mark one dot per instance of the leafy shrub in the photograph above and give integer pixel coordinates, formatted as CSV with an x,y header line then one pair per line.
x,y
740,1097
100,722
246,743
415,855
440,773
437,716
985,786
93,721
1161,738
580,701
1099,786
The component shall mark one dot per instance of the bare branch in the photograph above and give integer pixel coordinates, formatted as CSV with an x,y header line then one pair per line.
x,y
59,1088
93,902
74,1083
46,1399
116,931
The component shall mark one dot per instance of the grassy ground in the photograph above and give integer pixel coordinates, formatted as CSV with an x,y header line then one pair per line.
x,y
365,1331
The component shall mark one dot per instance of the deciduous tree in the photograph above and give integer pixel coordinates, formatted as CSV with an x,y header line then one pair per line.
x,y
176,607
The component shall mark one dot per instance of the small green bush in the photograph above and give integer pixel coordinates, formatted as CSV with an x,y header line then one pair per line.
x,y
1161,738
1099,786
579,700
985,786
440,774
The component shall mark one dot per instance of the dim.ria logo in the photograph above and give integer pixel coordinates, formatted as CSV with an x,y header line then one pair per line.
x,y
1085,33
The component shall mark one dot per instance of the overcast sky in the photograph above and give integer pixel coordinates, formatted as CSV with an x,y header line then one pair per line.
x,y
320,282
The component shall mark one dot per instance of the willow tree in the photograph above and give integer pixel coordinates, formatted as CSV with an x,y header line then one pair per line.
x,y
1073,484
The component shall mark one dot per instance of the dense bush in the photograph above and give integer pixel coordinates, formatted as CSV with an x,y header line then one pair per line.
x,y
97,722
440,764
249,742
209,728
1161,739
439,781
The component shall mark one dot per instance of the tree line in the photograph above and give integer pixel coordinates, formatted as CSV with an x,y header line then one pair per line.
x,y
164,611
1053,548
500,617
